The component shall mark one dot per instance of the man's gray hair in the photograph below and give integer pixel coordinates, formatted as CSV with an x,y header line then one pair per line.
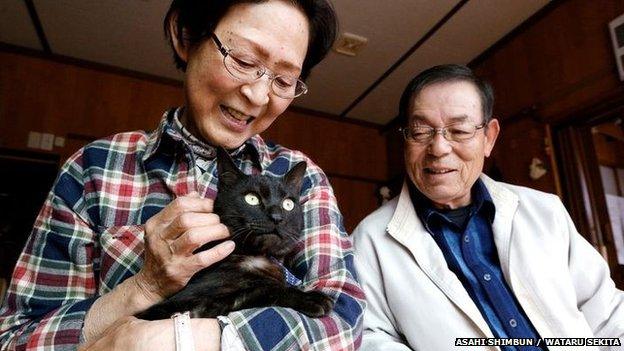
x,y
442,74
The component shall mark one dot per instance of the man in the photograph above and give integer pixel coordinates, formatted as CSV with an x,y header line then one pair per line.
x,y
458,255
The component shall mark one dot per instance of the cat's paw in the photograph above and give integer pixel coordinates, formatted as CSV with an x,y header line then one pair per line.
x,y
315,304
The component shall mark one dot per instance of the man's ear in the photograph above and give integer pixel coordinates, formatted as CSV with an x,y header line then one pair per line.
x,y
181,47
491,133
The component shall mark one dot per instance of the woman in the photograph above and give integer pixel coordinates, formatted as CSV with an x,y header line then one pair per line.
x,y
118,230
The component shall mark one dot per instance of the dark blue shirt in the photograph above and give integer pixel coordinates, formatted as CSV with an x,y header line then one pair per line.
x,y
465,238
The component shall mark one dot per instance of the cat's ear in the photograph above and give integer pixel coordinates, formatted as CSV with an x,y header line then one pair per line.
x,y
229,174
294,177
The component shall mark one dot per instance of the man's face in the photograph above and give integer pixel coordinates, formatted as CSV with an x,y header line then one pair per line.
x,y
444,171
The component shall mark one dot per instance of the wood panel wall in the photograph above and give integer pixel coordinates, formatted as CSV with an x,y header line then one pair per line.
x,y
81,103
610,152
558,63
519,143
74,102
558,72
554,66
609,144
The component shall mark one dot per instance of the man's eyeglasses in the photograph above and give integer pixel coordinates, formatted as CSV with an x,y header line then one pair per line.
x,y
248,69
458,132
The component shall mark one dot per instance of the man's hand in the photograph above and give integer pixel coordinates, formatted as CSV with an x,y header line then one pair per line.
x,y
171,236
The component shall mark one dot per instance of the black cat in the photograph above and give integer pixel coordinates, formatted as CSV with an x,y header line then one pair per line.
x,y
265,221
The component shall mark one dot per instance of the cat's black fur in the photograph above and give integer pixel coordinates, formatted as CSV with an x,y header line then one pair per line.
x,y
250,276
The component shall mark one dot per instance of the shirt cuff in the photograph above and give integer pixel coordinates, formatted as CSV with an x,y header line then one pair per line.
x,y
230,341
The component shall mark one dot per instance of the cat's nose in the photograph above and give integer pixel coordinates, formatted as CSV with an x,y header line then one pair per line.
x,y
276,217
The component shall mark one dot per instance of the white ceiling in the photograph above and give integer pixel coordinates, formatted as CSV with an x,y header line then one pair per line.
x,y
128,34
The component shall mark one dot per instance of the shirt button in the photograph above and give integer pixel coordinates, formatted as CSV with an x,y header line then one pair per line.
x,y
513,323
466,238
487,277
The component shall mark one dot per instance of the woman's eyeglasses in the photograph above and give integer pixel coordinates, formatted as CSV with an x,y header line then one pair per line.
x,y
248,69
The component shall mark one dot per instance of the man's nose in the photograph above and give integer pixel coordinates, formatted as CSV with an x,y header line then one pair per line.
x,y
438,145
257,92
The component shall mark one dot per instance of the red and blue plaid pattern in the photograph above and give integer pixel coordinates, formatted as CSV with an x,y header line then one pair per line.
x,y
88,238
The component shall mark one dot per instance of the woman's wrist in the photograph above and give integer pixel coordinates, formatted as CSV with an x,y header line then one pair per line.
x,y
140,293
126,299
206,334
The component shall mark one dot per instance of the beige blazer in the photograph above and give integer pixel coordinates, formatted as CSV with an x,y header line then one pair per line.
x,y
416,302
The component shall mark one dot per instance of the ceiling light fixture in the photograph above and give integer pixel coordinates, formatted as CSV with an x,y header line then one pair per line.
x,y
350,44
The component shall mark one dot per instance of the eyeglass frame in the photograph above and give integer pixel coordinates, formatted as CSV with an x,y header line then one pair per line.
x,y
225,52
440,130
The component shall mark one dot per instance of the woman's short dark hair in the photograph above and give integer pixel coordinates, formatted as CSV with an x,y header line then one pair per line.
x,y
199,18
442,74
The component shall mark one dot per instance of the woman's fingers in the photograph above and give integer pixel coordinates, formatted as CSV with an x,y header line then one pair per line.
x,y
171,237
177,207
189,220
194,238
211,256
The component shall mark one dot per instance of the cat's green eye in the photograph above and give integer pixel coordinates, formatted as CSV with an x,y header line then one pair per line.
x,y
288,204
252,199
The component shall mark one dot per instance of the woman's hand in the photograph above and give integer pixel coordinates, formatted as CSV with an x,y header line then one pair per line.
x,y
171,236
132,334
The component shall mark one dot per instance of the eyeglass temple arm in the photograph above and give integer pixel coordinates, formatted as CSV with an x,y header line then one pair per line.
x,y
219,45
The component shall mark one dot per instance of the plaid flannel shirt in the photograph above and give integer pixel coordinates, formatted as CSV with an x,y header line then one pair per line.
x,y
88,238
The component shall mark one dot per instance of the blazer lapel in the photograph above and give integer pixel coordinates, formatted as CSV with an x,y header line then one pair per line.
x,y
506,203
407,229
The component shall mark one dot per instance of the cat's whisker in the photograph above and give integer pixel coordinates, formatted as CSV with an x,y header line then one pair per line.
x,y
247,235
231,216
238,231
261,228
291,234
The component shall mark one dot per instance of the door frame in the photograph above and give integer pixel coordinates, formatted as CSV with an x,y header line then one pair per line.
x,y
581,183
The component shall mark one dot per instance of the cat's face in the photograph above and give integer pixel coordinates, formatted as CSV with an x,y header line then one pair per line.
x,y
262,212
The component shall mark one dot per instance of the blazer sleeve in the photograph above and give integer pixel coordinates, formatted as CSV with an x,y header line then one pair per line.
x,y
597,297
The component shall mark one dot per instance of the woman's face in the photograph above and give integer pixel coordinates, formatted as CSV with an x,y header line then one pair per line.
x,y
225,111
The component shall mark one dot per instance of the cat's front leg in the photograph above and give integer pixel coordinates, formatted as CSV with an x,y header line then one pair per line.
x,y
312,303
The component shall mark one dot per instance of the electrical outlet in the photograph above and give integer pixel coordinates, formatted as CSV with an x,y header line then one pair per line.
x,y
34,140
59,141
47,141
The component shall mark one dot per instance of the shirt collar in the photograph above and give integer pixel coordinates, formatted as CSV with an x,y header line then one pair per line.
x,y
481,202
168,132
155,137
